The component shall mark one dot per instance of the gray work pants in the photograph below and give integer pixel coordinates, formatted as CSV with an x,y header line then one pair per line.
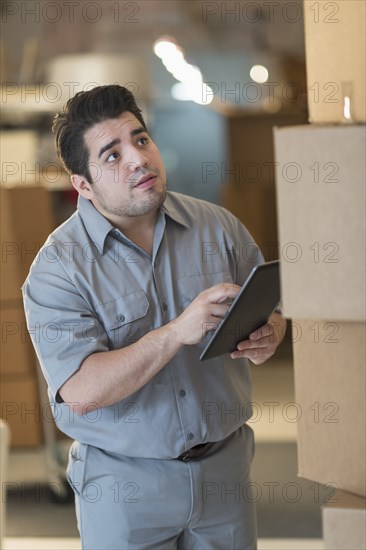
x,y
138,503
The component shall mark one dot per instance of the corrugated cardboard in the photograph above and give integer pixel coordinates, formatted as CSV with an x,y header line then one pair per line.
x,y
19,153
16,352
321,217
20,408
335,59
26,221
10,275
329,362
344,522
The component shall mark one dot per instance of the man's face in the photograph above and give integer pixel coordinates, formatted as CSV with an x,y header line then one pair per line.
x,y
126,167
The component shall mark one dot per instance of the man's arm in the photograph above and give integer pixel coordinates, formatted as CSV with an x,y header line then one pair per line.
x,y
107,377
263,342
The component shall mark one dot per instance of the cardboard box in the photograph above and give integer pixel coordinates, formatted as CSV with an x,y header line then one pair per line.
x,y
335,59
344,522
19,155
329,369
10,275
321,217
26,221
16,353
20,408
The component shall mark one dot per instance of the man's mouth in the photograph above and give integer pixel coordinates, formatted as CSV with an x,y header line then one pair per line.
x,y
146,181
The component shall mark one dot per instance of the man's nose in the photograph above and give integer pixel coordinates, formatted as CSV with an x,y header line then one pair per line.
x,y
138,160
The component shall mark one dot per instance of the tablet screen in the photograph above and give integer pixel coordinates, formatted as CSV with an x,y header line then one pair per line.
x,y
251,308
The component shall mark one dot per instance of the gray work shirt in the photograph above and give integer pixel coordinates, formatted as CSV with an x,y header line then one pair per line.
x,y
91,289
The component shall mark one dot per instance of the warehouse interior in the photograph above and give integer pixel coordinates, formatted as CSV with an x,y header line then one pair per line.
x,y
267,118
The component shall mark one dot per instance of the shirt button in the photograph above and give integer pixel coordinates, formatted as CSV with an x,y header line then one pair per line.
x,y
165,307
182,393
121,317
190,435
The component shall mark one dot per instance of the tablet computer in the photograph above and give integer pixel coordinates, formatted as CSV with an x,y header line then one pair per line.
x,y
251,308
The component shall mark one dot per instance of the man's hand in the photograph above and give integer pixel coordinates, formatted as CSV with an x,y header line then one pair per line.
x,y
263,342
204,313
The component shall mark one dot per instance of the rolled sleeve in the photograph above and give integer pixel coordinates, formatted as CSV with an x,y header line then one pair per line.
x,y
63,328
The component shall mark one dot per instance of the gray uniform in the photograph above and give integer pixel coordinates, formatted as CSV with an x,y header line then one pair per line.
x,y
91,289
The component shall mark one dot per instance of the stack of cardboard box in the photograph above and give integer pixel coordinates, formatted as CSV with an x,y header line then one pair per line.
x,y
26,221
321,216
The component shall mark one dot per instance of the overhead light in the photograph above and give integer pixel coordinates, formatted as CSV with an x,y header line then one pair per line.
x,y
200,92
164,47
180,92
259,74
190,84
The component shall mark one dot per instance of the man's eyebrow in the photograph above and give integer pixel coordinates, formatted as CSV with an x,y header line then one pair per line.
x,y
114,142
139,130
108,146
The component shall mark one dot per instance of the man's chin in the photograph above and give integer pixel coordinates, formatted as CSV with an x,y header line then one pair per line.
x,y
156,197
152,202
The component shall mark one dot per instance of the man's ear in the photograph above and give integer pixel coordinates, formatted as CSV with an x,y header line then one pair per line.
x,y
82,186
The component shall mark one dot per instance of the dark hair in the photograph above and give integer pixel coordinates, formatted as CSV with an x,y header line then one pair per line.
x,y
80,113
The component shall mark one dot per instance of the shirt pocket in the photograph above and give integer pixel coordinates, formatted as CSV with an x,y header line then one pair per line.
x,y
190,286
126,319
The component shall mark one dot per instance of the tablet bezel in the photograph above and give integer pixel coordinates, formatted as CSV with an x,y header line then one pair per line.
x,y
241,300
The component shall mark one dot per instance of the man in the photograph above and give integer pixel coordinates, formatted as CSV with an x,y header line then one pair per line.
x,y
118,303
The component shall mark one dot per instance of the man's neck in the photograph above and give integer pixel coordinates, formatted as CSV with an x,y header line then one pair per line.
x,y
140,230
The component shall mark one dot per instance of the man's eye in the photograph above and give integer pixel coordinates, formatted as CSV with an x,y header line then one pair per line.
x,y
112,156
143,141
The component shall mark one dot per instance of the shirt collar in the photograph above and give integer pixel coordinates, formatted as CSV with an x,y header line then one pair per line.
x,y
98,227
170,209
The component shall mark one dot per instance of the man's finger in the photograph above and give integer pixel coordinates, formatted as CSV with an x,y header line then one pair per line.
x,y
265,330
219,310
261,343
257,354
219,293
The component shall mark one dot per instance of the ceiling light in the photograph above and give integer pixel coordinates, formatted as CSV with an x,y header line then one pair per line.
x,y
259,74
165,48
190,84
200,93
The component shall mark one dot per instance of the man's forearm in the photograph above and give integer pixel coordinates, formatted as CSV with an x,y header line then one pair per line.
x,y
109,376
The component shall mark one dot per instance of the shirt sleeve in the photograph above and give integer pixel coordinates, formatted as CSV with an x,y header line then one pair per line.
x,y
63,327
245,250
